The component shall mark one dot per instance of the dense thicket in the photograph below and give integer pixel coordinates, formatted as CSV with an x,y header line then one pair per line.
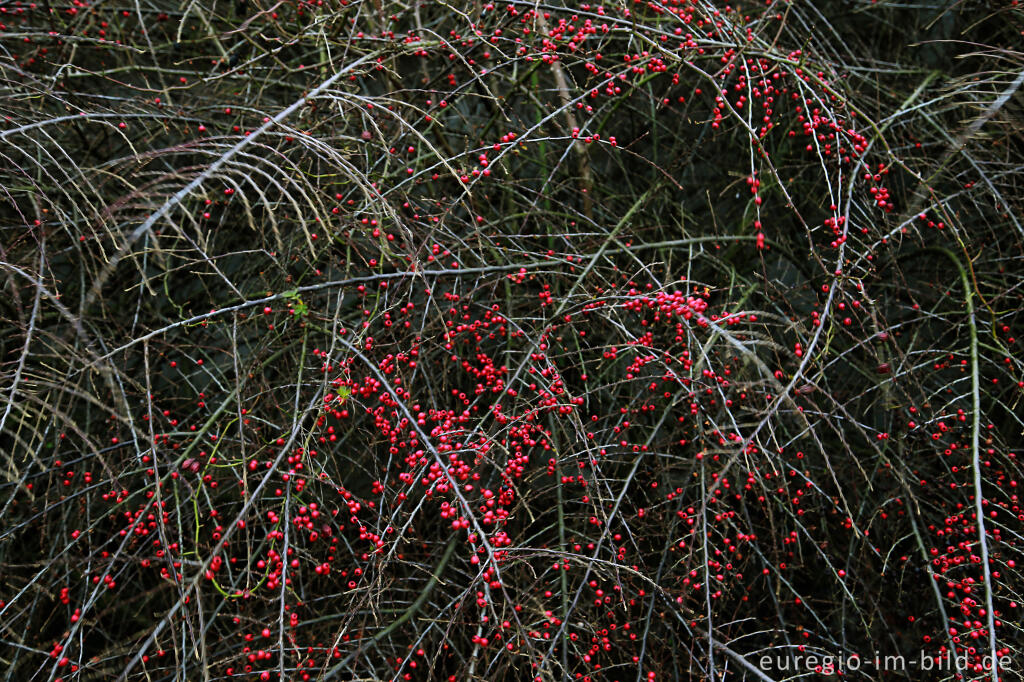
x,y
509,341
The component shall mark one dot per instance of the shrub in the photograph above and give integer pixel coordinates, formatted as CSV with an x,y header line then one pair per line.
x,y
374,340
